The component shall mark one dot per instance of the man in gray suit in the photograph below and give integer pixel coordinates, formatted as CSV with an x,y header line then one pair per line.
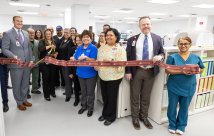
x,y
15,44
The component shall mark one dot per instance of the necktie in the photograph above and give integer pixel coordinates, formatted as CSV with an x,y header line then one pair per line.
x,y
20,37
145,55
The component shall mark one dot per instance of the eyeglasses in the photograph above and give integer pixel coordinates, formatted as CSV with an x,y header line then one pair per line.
x,y
185,44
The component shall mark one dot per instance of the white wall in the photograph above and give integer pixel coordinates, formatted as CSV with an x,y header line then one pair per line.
x,y
6,21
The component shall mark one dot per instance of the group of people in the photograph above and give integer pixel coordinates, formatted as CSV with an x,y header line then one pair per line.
x,y
68,45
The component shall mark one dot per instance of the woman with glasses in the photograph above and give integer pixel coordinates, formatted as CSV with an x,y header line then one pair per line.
x,y
181,85
87,75
110,77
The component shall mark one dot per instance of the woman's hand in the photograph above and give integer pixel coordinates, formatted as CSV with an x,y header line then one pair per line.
x,y
96,68
72,58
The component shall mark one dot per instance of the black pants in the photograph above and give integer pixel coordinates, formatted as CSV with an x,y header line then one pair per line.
x,y
4,82
109,91
77,88
48,75
59,76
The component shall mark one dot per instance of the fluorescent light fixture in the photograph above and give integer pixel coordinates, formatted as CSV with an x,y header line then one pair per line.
x,y
24,4
156,19
132,22
203,6
101,16
28,13
131,18
124,10
157,14
163,1
118,22
61,15
99,21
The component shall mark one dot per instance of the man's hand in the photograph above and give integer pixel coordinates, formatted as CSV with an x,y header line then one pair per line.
x,y
157,58
31,64
129,76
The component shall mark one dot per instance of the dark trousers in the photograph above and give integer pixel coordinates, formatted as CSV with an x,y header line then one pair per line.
x,y
141,87
68,81
109,91
88,92
59,76
77,88
4,82
48,75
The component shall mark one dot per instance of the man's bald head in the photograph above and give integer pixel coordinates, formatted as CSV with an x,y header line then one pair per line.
x,y
31,33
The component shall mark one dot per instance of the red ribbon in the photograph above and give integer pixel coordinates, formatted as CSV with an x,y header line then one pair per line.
x,y
194,69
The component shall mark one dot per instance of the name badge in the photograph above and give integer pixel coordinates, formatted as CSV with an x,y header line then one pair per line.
x,y
17,43
133,43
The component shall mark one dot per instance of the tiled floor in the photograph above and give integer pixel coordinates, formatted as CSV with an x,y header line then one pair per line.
x,y
57,118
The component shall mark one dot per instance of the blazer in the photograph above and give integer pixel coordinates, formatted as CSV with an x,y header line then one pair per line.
x,y
35,51
131,51
10,48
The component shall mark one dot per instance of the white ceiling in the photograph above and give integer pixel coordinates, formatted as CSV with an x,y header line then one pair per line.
x,y
105,7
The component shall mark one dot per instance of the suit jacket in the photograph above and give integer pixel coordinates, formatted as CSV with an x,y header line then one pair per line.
x,y
35,51
10,48
131,51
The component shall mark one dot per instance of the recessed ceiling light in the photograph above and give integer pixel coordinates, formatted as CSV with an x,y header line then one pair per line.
x,y
132,22
158,14
131,18
203,6
28,13
163,1
123,10
156,19
99,21
24,4
101,16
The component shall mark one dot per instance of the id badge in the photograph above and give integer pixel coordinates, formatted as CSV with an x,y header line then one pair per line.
x,y
17,43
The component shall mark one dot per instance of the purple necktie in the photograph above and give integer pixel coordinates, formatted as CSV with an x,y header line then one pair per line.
x,y
145,49
20,37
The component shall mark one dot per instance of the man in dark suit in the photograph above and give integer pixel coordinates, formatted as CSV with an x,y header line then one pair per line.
x,y
15,44
58,39
144,46
3,81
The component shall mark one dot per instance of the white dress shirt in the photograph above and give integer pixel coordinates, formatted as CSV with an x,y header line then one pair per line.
x,y
139,47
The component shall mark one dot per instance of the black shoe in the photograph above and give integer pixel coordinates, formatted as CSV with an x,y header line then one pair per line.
x,y
146,123
67,99
28,96
48,99
107,123
76,102
9,87
90,113
35,92
136,124
101,118
5,107
53,95
81,111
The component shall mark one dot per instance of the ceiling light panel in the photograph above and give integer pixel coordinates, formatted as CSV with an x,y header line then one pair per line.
x,y
24,4
163,1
